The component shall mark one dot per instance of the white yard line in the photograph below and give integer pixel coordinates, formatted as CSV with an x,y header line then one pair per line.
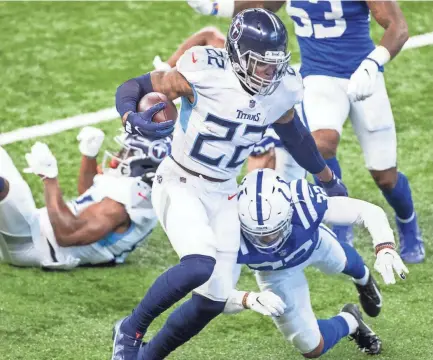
x,y
57,126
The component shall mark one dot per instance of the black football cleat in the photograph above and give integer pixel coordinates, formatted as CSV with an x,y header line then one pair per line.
x,y
370,297
364,336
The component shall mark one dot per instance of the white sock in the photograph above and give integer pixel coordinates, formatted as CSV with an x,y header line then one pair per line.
x,y
363,281
350,320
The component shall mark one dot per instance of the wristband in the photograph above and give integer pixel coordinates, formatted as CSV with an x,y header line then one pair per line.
x,y
380,55
387,245
244,300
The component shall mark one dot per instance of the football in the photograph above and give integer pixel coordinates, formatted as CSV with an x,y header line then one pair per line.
x,y
150,99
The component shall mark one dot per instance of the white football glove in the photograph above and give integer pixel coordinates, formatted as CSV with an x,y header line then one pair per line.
x,y
266,303
205,7
91,140
388,261
41,161
160,65
363,81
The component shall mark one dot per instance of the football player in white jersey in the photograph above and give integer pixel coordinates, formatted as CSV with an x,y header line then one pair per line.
x,y
282,234
268,152
112,215
229,98
343,77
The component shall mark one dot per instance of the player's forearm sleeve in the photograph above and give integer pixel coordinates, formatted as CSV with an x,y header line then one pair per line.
x,y
130,92
234,302
349,211
300,144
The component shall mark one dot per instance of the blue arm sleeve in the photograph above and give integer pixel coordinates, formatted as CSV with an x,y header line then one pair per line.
x,y
130,93
300,144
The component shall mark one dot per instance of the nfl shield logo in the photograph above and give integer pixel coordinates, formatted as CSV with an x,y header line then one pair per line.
x,y
159,179
252,104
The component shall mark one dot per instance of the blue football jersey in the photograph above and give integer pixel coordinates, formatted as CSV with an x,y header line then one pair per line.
x,y
333,36
310,203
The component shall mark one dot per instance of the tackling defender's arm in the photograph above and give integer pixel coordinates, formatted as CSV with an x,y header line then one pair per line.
x,y
389,15
91,225
266,302
171,83
348,211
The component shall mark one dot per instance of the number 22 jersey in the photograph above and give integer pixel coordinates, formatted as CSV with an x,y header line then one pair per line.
x,y
215,134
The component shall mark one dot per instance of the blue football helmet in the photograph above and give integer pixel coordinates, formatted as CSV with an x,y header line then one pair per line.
x,y
257,48
138,156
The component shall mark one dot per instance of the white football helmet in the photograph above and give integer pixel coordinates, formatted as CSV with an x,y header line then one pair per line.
x,y
265,210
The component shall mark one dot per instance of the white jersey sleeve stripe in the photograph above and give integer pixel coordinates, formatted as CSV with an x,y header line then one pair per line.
x,y
186,110
298,207
307,198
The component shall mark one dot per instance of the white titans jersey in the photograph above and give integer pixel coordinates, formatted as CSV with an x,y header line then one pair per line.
x,y
214,135
131,192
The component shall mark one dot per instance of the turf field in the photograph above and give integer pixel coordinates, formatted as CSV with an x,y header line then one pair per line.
x,y
62,59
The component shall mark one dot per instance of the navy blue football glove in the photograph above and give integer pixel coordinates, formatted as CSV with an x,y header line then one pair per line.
x,y
141,123
264,145
335,187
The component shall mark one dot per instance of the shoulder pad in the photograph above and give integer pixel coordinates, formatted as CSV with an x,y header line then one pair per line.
x,y
292,82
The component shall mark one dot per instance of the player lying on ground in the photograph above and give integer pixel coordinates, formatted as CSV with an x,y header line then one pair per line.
x,y
282,234
103,225
229,98
343,77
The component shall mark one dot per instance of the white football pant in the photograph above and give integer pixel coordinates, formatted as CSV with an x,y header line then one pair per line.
x,y
298,324
326,105
199,217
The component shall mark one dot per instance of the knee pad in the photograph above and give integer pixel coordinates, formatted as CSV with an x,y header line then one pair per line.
x,y
198,267
306,341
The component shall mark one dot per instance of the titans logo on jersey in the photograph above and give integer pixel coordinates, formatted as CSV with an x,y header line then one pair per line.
x,y
310,204
333,36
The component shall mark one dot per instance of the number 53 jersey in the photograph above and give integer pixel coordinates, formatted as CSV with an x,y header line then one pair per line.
x,y
216,133
333,36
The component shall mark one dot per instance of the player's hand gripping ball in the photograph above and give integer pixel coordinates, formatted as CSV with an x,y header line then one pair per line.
x,y
154,118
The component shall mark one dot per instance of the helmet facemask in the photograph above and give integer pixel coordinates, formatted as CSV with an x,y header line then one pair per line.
x,y
261,74
269,241
135,158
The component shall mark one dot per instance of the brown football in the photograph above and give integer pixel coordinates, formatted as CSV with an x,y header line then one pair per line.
x,y
150,99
